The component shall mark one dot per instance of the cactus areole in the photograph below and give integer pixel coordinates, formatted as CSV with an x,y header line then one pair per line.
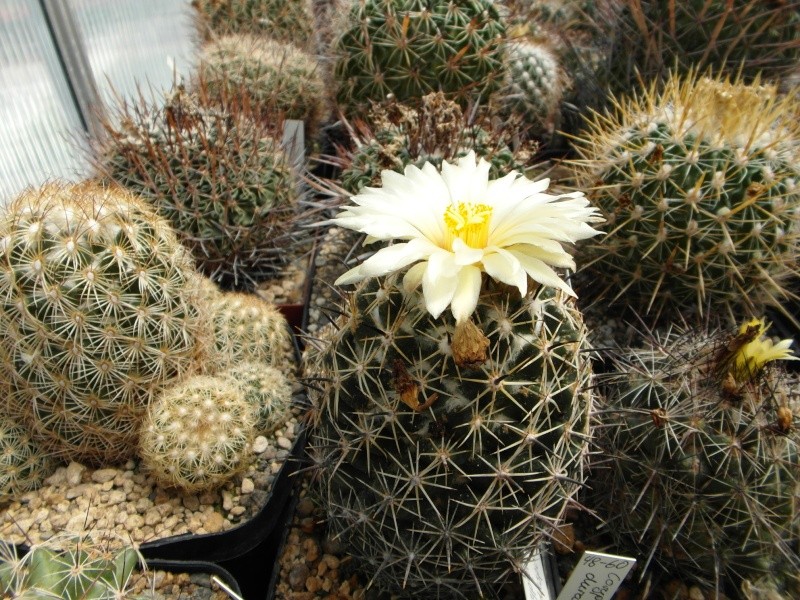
x,y
448,443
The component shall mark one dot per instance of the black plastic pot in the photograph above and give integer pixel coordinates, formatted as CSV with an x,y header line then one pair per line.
x,y
184,566
235,542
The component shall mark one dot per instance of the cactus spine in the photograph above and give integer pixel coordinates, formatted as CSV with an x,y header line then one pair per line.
x,y
23,464
98,310
267,390
443,478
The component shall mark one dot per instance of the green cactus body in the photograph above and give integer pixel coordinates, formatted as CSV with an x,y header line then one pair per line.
x,y
267,390
409,48
700,186
247,328
751,37
443,479
222,181
71,568
197,434
437,130
287,21
98,309
23,464
704,471
535,83
277,80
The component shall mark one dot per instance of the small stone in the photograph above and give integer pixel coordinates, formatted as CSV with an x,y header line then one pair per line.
x,y
332,546
57,478
564,539
213,522
238,511
284,443
103,475
695,593
313,584
74,473
191,503
260,444
227,500
298,576
305,506
248,486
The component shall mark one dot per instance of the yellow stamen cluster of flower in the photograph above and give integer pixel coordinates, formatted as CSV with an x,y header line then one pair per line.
x,y
470,222
759,350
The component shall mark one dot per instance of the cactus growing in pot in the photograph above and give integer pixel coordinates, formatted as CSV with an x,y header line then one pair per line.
x,y
99,307
701,444
700,185
449,444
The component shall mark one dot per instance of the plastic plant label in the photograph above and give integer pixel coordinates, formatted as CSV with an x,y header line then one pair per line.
x,y
537,577
596,576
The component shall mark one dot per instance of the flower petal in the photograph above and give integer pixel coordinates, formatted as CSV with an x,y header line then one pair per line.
x,y
466,255
439,282
504,266
387,260
465,296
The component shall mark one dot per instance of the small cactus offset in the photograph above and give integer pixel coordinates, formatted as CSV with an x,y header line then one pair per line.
x,y
409,48
266,389
220,177
700,186
701,436
23,464
275,79
68,567
288,21
99,308
197,434
752,38
398,134
247,328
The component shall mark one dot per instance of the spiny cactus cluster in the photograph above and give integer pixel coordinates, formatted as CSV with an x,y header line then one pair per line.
x,y
23,464
98,310
443,478
288,21
700,186
750,37
197,434
700,442
89,567
399,134
220,177
409,48
276,80
247,328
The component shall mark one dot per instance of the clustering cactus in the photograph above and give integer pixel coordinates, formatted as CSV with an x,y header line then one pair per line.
x,y
220,177
266,389
700,186
289,21
23,464
535,84
98,310
409,48
247,328
275,79
728,36
443,478
398,135
701,437
88,567
197,434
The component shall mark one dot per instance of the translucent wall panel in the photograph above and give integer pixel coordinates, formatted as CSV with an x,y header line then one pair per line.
x,y
132,42
38,117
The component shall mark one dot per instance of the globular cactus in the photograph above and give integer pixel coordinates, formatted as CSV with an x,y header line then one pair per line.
x,y
700,459
266,389
535,84
748,37
220,177
288,21
399,134
700,186
23,464
99,308
88,567
443,478
247,328
276,80
409,48
197,434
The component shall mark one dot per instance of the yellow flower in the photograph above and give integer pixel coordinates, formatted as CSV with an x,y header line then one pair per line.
x,y
456,224
757,351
